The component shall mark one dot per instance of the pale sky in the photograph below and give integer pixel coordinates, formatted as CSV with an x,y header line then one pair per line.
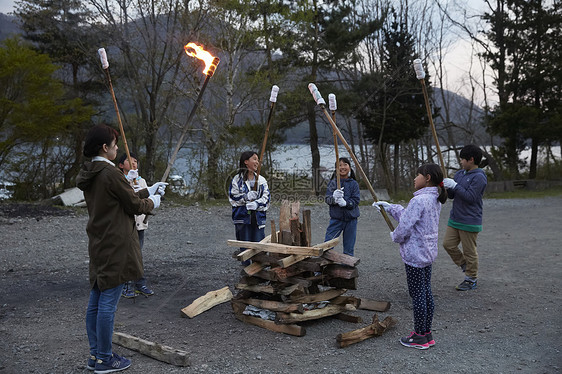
x,y
6,6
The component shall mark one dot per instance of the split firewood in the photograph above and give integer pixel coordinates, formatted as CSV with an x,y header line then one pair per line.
x,y
293,259
375,329
275,306
289,329
350,284
277,248
377,306
269,289
273,232
306,228
295,231
249,253
253,268
340,271
322,296
157,351
307,315
341,258
207,301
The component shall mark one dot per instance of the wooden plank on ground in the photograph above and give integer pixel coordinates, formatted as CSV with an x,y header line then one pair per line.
x,y
375,329
277,248
377,306
207,301
157,351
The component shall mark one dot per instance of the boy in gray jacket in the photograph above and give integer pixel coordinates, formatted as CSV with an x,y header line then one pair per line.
x,y
465,221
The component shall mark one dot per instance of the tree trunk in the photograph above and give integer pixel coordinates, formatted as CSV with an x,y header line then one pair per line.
x,y
534,155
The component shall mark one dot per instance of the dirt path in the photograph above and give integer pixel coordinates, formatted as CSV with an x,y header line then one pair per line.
x,y
512,323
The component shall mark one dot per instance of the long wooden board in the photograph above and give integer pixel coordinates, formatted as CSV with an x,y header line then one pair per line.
x,y
277,248
308,315
157,351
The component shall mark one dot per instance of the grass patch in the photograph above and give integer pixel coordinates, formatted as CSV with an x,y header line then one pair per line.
x,y
525,194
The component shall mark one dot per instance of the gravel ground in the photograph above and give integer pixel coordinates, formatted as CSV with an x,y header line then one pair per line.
x,y
511,323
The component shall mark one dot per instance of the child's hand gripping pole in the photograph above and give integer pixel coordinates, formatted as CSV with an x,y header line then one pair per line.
x,y
320,101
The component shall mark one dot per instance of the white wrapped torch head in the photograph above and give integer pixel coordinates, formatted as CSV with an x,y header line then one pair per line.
x,y
103,58
274,92
332,101
418,67
316,94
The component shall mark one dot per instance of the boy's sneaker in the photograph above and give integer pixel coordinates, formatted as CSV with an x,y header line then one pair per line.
x,y
128,291
91,365
115,363
143,290
415,341
466,285
430,341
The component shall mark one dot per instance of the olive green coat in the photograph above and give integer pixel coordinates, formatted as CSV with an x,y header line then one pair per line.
x,y
114,249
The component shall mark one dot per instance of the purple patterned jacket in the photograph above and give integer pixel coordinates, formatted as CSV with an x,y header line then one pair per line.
x,y
418,227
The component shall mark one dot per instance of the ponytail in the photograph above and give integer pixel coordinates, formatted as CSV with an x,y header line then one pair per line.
x,y
436,178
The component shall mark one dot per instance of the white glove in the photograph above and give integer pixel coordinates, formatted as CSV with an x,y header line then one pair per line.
x,y
252,205
132,175
252,195
338,194
154,189
378,204
155,199
161,190
341,202
449,183
391,237
137,187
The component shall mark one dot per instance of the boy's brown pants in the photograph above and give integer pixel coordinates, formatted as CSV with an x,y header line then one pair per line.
x,y
468,255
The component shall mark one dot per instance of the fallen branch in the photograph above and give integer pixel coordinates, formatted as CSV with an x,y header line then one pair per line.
x,y
375,329
157,351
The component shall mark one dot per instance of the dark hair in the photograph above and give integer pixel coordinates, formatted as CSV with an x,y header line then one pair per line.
x,y
345,160
97,137
242,169
436,178
123,157
471,151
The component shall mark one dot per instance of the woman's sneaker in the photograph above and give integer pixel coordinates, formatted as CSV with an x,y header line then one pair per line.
x,y
415,341
143,290
115,363
128,290
430,341
91,365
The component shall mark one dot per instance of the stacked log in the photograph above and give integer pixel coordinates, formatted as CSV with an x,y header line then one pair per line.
x,y
289,281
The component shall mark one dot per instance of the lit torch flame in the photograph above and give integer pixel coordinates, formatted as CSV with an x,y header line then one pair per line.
x,y
197,51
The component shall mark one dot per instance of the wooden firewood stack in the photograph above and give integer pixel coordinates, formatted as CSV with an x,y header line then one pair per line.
x,y
290,281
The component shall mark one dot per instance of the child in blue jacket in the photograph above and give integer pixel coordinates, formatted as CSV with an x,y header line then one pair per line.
x,y
344,206
249,204
465,221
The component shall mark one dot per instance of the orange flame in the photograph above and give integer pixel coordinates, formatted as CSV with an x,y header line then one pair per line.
x,y
197,51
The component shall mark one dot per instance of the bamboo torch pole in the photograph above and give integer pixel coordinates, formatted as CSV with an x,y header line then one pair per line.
x,y
420,74
333,108
320,101
209,71
273,100
105,66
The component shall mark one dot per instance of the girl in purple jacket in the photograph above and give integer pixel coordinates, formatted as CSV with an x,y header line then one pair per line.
x,y
416,233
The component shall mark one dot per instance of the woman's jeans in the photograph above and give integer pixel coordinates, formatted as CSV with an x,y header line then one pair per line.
x,y
99,320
